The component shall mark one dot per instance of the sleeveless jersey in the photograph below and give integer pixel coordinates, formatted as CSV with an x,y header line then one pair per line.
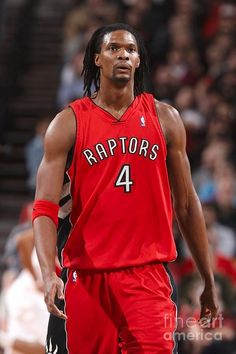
x,y
115,209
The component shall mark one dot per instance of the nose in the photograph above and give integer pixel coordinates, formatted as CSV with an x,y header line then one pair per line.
x,y
123,54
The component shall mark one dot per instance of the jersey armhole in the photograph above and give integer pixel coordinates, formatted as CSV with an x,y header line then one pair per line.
x,y
71,153
164,141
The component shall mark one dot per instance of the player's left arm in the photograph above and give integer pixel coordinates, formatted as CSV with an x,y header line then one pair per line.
x,y
187,206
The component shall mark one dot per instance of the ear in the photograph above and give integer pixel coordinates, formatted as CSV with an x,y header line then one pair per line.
x,y
138,63
97,60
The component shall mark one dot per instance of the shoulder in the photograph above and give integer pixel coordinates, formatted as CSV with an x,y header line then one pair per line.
x,y
81,104
62,130
65,117
171,122
166,109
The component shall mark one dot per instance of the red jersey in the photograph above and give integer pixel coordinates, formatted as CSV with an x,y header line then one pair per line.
x,y
116,208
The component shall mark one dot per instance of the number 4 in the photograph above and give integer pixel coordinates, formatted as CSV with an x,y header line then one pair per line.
x,y
123,179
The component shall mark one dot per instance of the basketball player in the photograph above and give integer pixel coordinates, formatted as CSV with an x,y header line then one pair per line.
x,y
112,161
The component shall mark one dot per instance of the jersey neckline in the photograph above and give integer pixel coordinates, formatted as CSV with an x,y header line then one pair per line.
x,y
110,116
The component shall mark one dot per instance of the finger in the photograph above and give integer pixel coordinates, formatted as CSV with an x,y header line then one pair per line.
x,y
209,312
60,291
204,322
49,296
203,313
54,310
205,317
215,312
208,318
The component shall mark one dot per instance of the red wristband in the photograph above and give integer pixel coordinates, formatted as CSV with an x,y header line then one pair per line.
x,y
45,208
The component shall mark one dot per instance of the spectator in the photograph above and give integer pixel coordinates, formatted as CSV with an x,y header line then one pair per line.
x,y
226,197
26,315
10,258
71,86
34,151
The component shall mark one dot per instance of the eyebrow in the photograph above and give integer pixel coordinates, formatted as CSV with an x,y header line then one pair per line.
x,y
118,43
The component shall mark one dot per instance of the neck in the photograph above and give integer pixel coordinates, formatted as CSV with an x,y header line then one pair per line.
x,y
115,98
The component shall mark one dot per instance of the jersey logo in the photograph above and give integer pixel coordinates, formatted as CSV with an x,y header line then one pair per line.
x,y
50,349
74,276
142,121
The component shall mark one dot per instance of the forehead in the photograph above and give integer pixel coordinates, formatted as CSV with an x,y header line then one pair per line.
x,y
119,36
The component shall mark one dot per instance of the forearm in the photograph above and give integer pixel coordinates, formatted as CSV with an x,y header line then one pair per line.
x,y
45,234
25,245
192,227
28,347
45,240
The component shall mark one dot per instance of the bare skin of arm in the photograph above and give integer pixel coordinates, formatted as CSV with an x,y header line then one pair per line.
x,y
186,204
22,347
25,245
59,139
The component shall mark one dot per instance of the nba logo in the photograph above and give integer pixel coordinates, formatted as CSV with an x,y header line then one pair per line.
x,y
74,276
142,121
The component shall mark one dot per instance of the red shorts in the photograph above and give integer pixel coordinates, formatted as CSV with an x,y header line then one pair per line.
x,y
129,311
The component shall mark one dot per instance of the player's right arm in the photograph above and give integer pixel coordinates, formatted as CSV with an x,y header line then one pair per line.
x,y
59,139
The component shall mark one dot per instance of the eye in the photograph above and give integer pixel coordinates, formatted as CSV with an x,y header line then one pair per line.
x,y
112,48
131,50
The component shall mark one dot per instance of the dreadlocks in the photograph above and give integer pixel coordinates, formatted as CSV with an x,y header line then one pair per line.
x,y
91,72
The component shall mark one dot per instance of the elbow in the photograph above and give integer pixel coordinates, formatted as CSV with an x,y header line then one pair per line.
x,y
186,208
181,212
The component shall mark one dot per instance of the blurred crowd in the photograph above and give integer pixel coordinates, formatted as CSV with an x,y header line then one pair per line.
x,y
192,53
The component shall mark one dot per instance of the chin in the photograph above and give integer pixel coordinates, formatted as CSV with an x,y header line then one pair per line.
x,y
122,79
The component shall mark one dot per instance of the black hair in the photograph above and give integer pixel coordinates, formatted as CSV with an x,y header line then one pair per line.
x,y
91,71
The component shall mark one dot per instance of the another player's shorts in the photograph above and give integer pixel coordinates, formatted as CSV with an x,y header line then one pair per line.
x,y
129,311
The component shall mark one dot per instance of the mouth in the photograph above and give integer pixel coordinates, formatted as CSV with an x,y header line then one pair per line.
x,y
123,67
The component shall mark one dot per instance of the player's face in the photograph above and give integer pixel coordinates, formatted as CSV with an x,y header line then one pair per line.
x,y
119,57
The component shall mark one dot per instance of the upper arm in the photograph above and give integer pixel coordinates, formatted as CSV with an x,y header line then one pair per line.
x,y
59,139
177,161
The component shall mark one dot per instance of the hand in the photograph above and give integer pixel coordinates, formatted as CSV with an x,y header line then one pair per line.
x,y
209,306
54,287
39,285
